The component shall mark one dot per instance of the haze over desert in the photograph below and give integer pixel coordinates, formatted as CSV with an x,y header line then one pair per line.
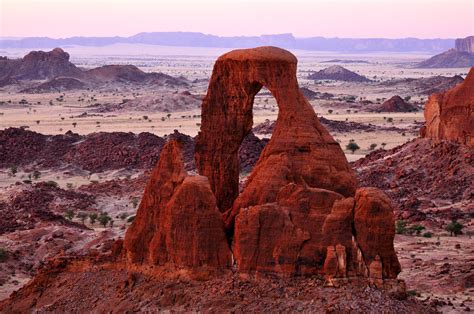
x,y
187,157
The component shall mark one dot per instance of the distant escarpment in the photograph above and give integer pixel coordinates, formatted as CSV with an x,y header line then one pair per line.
x,y
462,56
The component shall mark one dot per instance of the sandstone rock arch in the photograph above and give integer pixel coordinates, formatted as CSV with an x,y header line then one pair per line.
x,y
300,148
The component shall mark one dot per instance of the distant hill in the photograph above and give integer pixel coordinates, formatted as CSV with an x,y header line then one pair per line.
x,y
59,73
193,39
462,56
338,73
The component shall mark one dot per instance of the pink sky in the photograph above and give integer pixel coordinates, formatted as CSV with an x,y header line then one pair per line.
x,y
303,18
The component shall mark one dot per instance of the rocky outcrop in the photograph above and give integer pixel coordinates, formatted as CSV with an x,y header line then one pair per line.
x,y
40,65
465,44
450,115
61,74
300,148
337,73
178,221
298,203
431,183
394,104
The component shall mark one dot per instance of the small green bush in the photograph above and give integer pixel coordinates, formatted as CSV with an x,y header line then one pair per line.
x,y
400,227
3,255
428,234
454,227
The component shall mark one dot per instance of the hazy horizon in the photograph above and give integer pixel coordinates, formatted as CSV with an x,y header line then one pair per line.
x,y
424,19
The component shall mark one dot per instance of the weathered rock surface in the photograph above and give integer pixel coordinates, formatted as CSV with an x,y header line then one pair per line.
x,y
465,44
450,115
178,221
300,148
375,230
425,182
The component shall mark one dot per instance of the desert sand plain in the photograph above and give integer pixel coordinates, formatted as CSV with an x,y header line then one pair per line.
x,y
161,110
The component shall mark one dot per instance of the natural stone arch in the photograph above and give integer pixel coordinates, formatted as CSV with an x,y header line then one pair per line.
x,y
227,118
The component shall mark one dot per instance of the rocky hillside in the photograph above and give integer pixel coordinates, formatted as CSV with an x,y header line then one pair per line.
x,y
337,73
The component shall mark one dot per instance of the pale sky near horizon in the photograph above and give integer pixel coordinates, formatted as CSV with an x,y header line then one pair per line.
x,y
303,18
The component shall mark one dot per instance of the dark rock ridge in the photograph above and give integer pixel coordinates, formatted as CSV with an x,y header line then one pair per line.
x,y
60,74
426,85
337,73
40,202
335,126
103,151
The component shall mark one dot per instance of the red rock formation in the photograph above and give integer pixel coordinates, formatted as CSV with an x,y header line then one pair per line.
x,y
177,221
300,148
450,115
374,228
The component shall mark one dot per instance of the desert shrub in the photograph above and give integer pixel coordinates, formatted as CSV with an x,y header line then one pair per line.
x,y
3,254
372,146
51,183
130,219
416,229
123,216
352,146
135,201
400,227
330,111
407,98
36,174
454,227
69,214
389,119
82,216
427,234
93,218
13,170
104,219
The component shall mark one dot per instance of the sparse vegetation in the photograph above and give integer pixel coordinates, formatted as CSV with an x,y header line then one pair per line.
x,y
400,227
454,228
82,217
372,146
13,170
352,146
130,219
104,219
92,218
69,214
3,255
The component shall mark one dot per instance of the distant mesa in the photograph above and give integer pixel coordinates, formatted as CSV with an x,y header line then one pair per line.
x,y
394,104
338,73
462,56
450,115
59,73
